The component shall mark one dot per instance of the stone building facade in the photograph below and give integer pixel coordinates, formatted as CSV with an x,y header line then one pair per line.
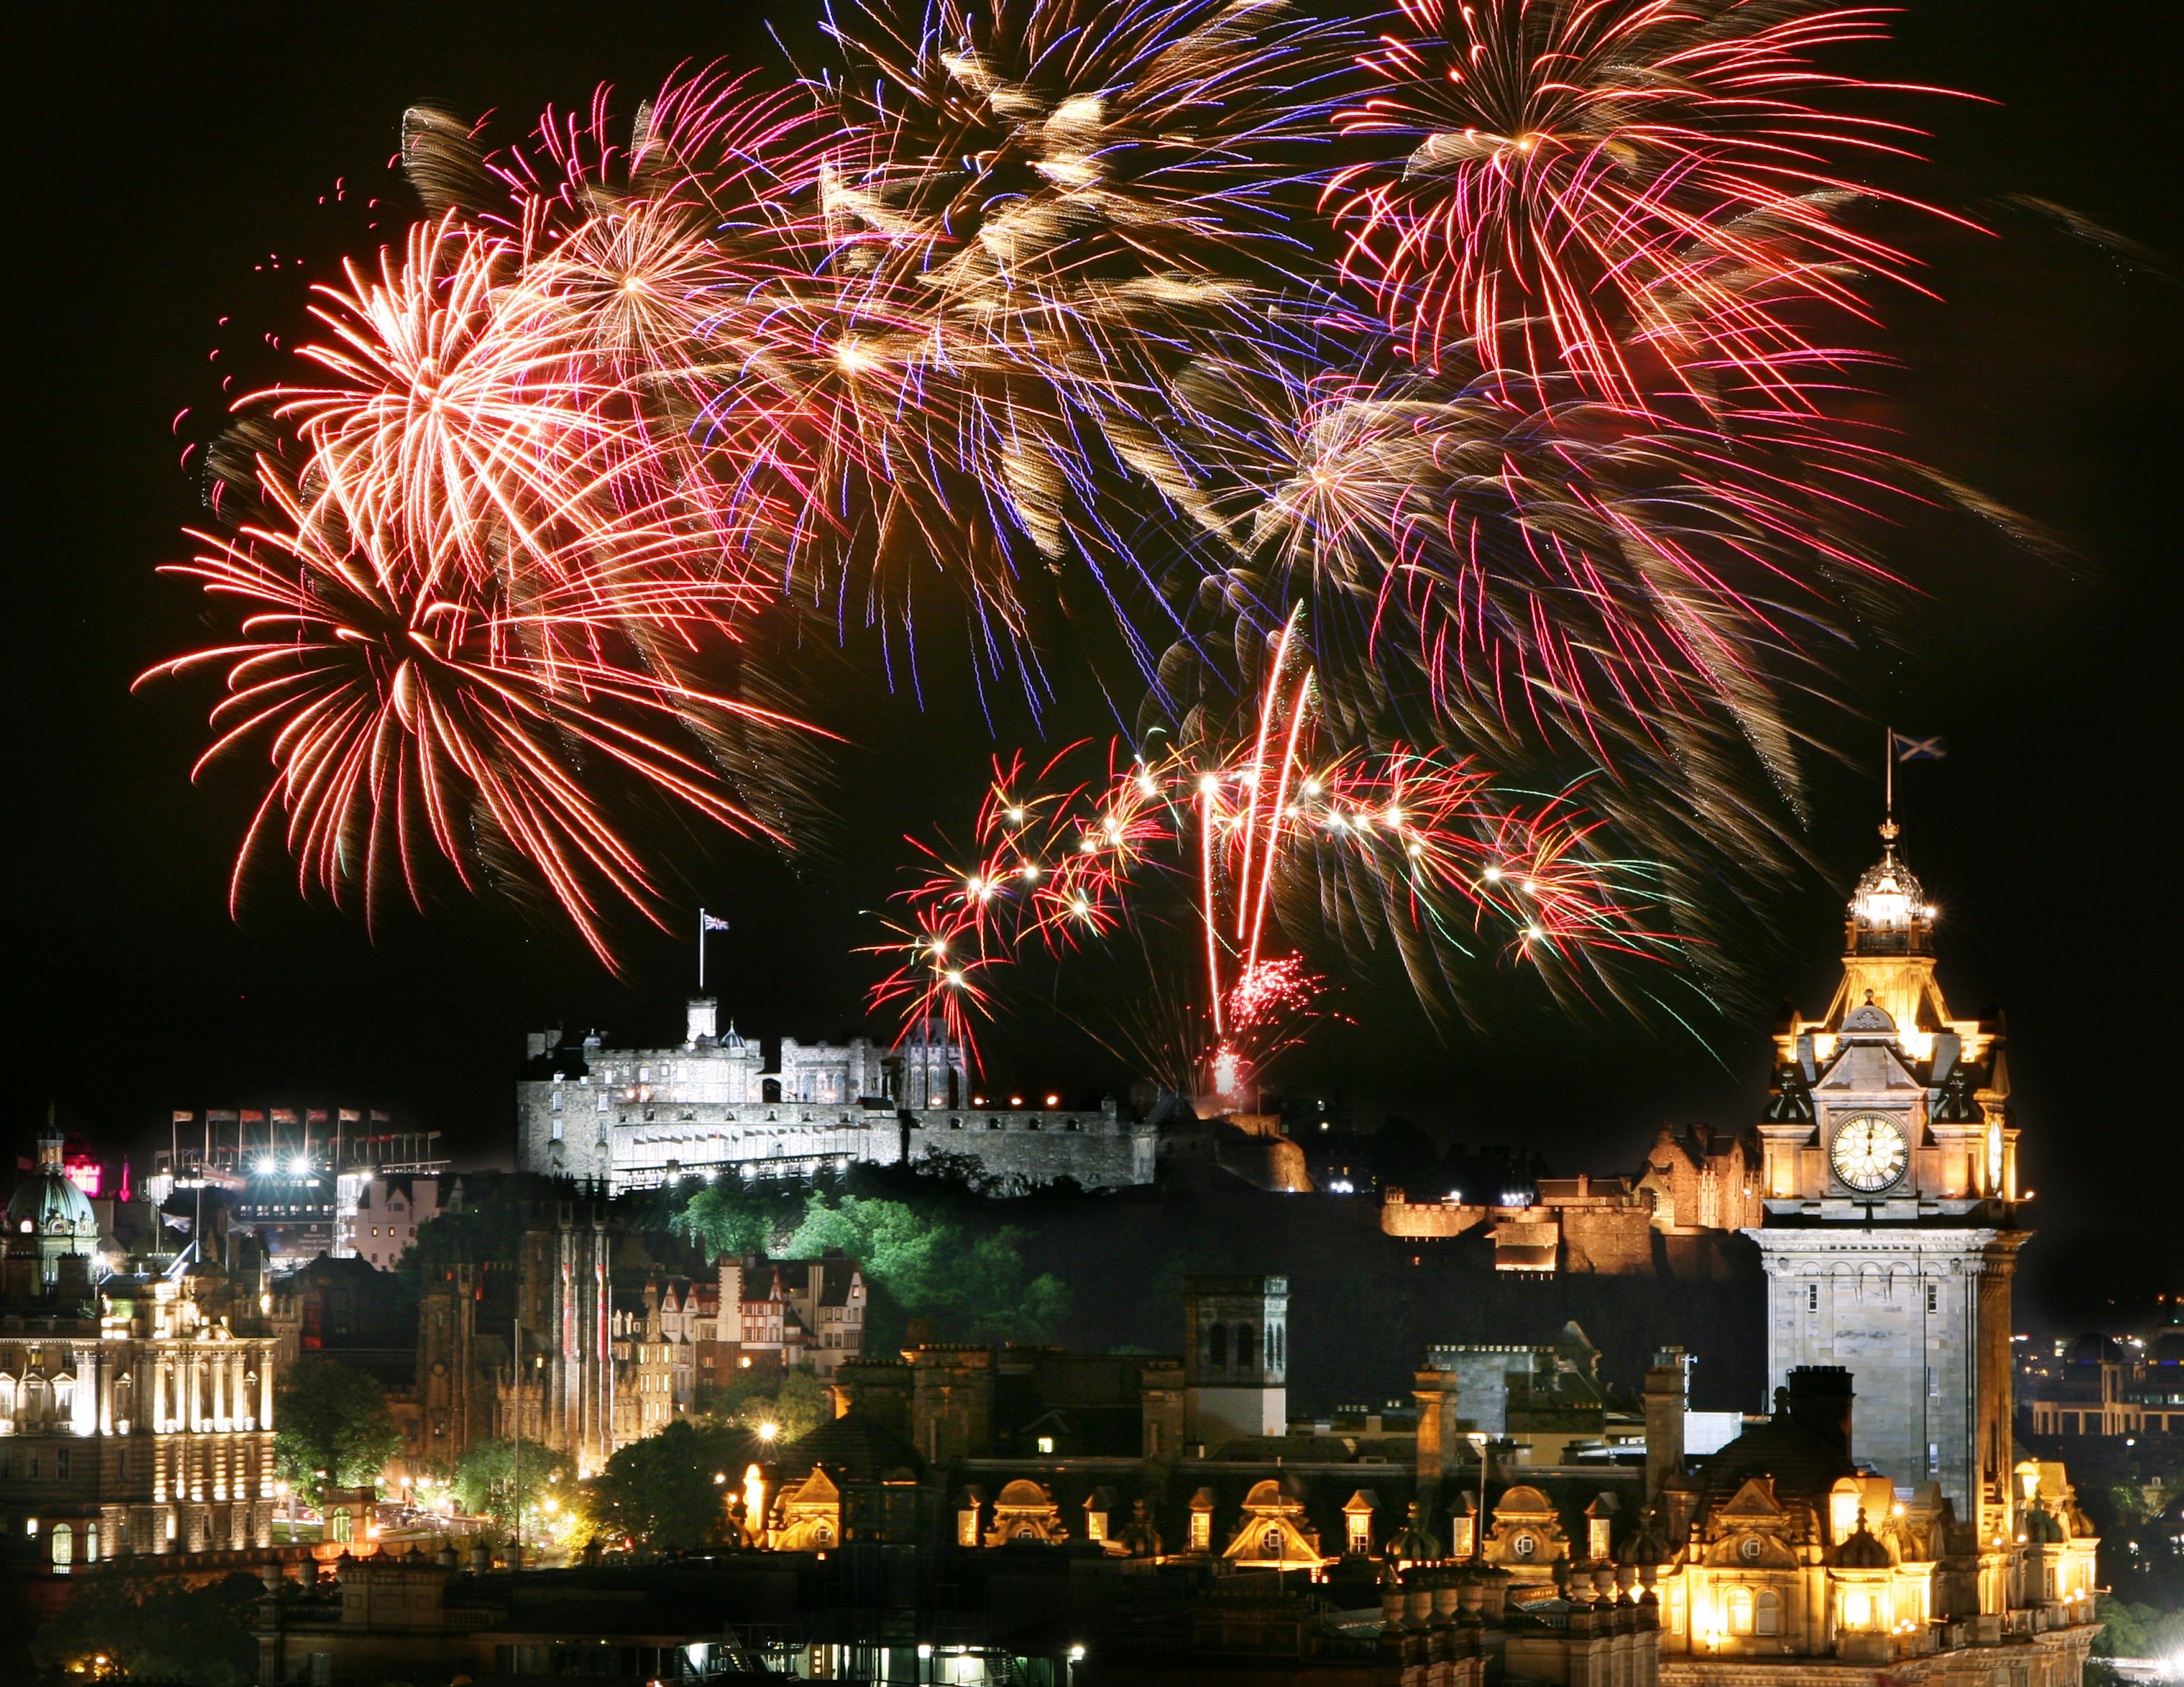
x,y
637,1118
136,1406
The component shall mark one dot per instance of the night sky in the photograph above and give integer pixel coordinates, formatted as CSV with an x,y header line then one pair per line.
x,y
161,152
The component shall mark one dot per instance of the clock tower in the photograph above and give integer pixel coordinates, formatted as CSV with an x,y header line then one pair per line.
x,y
1889,1177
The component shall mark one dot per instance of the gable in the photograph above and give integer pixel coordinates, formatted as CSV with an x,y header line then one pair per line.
x,y
1755,1499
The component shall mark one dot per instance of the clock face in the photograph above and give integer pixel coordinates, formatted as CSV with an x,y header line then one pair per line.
x,y
1870,1152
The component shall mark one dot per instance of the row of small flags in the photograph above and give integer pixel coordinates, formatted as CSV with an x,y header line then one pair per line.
x,y
282,1116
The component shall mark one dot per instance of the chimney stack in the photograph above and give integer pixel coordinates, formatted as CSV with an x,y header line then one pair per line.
x,y
1664,1419
1821,1397
1435,1392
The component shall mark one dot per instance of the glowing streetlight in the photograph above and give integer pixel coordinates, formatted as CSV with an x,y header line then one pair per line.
x,y
767,1431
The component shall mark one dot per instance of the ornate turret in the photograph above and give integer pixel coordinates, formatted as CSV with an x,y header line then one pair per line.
x,y
1889,914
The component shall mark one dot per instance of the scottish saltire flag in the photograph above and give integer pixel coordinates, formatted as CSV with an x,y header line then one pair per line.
x,y
1919,750
714,922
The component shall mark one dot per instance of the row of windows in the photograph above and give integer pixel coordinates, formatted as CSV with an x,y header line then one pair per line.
x,y
34,1464
1030,1124
1933,1294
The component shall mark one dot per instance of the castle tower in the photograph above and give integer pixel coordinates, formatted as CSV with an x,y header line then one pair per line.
x,y
1889,1177
1235,1358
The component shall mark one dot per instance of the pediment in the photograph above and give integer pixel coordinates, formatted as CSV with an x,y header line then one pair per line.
x,y
1272,1538
1526,1502
1755,1499
817,1489
1868,1069
1750,1549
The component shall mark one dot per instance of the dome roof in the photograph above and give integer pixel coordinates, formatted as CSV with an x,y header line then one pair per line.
x,y
1805,1463
2167,1348
47,1200
1864,1549
1889,913
2094,1349
856,1446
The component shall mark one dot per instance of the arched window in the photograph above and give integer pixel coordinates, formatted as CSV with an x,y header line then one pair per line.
x,y
64,1544
1247,1347
1767,1612
1739,1611
1216,1347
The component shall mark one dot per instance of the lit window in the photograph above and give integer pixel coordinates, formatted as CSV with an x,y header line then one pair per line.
x,y
1047,1444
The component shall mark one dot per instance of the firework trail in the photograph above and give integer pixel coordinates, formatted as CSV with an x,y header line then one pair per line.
x,y
1041,213
1638,195
1272,840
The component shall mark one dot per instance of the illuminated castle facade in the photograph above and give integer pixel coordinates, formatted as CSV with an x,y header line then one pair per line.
x,y
637,1118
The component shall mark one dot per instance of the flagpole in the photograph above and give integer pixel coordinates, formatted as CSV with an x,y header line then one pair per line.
x,y
701,951
1888,766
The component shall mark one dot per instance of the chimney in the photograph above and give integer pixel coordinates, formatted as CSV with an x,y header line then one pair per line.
x,y
705,1020
1434,1391
1664,1419
1820,1398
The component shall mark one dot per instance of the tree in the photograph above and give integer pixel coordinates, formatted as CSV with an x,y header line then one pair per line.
x,y
484,1482
729,1217
158,1630
976,1287
671,1489
795,1402
332,1427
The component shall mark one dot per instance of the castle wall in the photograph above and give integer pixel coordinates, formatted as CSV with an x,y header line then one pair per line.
x,y
1429,1219
1608,1234
650,1139
1100,1151
1617,1241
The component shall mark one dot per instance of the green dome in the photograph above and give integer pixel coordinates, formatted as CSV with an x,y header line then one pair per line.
x,y
49,1201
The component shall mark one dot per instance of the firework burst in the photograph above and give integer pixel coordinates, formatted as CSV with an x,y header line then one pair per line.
x,y
407,708
1274,842
1620,192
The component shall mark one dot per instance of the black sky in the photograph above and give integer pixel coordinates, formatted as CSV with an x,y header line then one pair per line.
x,y
162,152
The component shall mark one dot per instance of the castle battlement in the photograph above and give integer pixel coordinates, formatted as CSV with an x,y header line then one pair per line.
x,y
637,1118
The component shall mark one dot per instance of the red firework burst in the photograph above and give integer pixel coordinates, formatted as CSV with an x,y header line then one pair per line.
x,y
1608,188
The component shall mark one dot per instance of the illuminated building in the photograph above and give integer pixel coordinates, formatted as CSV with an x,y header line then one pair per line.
x,y
637,1118
2101,1385
1889,1164
136,1406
